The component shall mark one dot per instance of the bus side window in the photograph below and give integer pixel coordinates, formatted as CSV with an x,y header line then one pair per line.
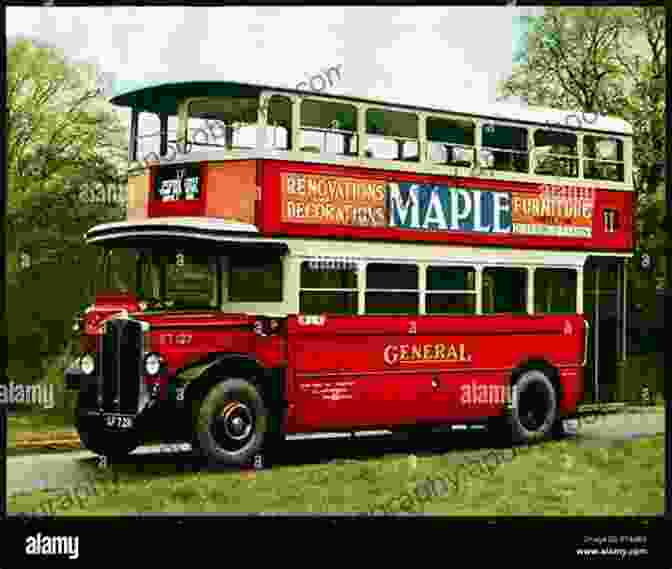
x,y
504,290
556,153
451,290
328,288
328,127
148,139
603,158
508,145
255,280
392,289
451,141
279,123
392,135
555,291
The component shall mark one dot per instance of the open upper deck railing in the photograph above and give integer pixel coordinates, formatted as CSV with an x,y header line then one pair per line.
x,y
233,116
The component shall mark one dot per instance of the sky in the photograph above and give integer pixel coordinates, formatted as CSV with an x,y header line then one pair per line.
x,y
434,56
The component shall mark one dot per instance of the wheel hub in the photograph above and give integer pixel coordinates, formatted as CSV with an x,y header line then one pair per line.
x,y
533,408
237,421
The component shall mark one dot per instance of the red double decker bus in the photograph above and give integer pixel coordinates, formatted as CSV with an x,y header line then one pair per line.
x,y
300,263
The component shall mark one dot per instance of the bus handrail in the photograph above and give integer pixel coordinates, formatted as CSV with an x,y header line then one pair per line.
x,y
585,344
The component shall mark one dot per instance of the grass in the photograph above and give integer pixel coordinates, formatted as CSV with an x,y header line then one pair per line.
x,y
626,478
554,478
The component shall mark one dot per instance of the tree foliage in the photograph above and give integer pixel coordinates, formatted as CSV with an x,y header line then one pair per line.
x,y
62,138
609,61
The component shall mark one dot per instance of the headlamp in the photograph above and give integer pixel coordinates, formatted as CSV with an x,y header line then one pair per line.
x,y
87,364
153,364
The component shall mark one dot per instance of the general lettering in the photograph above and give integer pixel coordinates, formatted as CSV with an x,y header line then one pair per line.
x,y
396,353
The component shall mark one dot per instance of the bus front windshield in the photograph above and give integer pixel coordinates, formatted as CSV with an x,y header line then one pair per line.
x,y
178,279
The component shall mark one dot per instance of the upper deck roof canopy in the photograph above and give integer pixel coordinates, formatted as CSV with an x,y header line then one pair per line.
x,y
164,98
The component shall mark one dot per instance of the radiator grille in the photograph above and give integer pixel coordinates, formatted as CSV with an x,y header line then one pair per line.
x,y
121,365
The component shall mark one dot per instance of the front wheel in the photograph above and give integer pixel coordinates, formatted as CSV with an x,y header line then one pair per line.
x,y
231,423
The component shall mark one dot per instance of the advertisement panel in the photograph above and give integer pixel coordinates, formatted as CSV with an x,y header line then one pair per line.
x,y
332,200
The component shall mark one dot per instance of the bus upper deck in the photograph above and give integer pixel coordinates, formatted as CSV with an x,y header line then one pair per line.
x,y
304,165
506,143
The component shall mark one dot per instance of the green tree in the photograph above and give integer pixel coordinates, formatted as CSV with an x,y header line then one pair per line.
x,y
609,61
63,140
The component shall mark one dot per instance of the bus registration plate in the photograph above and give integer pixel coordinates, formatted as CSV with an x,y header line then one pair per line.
x,y
116,421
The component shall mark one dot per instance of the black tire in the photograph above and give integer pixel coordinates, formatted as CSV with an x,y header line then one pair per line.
x,y
231,423
103,442
534,412
416,435
274,440
559,432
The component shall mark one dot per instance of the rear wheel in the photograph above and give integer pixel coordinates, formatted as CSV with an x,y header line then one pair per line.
x,y
534,410
231,423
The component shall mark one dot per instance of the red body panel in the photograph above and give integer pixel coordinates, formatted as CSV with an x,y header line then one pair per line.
x,y
271,224
184,338
266,210
340,378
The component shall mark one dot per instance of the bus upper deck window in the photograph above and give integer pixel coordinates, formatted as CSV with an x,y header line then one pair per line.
x,y
328,127
603,158
279,123
392,135
505,147
223,122
451,141
556,153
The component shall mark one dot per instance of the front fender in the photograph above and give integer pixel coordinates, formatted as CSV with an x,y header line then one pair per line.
x,y
271,380
200,368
